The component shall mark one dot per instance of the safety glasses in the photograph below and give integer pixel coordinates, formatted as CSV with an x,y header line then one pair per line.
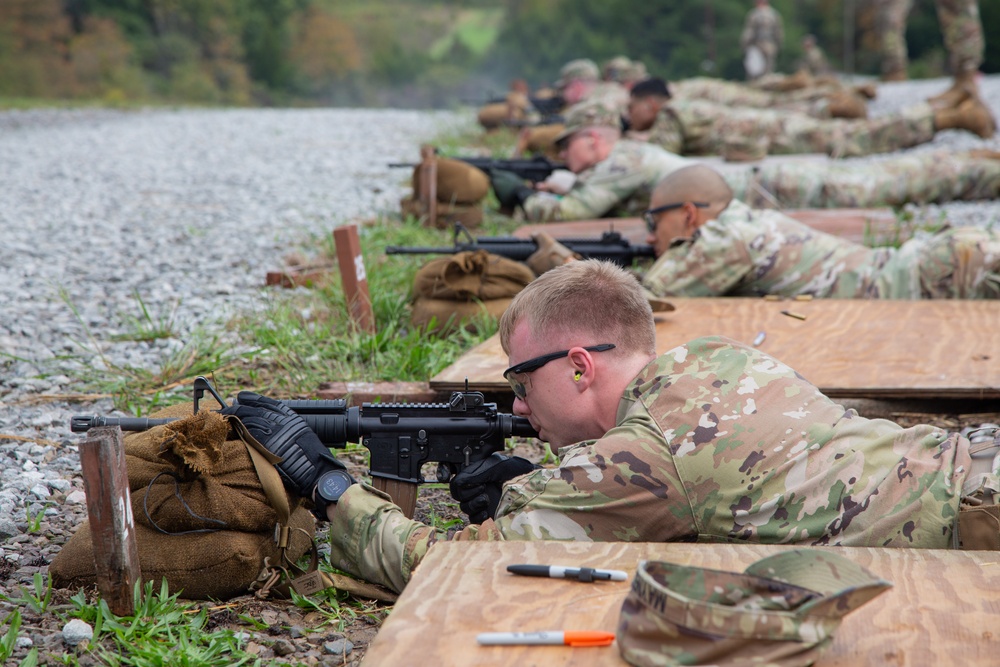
x,y
651,215
517,375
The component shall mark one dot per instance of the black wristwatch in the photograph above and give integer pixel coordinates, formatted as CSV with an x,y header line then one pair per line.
x,y
329,488
332,484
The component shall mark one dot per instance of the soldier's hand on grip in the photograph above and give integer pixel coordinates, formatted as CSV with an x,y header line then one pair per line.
x,y
478,488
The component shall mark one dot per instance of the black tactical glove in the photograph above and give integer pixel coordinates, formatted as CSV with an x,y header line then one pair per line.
x,y
285,433
478,488
509,188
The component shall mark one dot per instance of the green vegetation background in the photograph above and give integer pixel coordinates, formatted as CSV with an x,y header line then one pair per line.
x,y
404,53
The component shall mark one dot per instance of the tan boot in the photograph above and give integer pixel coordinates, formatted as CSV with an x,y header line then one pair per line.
x,y
963,85
866,90
984,154
971,115
845,104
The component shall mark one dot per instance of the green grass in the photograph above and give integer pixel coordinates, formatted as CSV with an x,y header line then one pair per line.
x,y
476,29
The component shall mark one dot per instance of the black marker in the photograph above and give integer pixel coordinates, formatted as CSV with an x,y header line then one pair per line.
x,y
587,574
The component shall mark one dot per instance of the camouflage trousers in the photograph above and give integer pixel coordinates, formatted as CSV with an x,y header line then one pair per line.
x,y
961,28
934,176
788,134
961,263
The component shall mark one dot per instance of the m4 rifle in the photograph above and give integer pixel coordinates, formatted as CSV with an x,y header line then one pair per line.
x,y
609,246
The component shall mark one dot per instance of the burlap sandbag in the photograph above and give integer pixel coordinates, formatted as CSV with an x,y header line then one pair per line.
x,y
452,292
471,275
457,182
493,115
198,566
542,139
441,315
183,477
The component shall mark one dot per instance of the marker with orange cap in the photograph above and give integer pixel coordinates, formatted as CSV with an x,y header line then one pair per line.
x,y
557,637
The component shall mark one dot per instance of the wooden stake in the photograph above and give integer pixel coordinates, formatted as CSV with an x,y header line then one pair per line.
x,y
353,277
109,505
428,184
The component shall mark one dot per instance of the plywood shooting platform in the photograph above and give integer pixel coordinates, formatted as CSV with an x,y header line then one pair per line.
x,y
463,588
853,224
848,348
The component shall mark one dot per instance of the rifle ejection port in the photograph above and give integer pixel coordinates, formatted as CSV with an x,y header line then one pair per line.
x,y
389,418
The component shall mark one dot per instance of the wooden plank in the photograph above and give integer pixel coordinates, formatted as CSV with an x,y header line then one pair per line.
x,y
462,589
848,348
853,224
109,509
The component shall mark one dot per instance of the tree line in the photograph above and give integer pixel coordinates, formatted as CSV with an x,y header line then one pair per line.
x,y
406,52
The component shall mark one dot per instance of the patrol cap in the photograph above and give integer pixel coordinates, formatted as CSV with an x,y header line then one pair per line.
x,y
615,69
636,72
583,69
590,113
782,610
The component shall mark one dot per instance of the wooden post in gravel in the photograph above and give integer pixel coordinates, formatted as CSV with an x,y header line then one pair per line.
x,y
353,277
109,506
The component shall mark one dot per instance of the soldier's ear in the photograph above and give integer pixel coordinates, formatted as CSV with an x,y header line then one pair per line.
x,y
690,218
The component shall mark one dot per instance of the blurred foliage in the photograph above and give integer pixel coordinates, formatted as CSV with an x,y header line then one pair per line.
x,y
413,53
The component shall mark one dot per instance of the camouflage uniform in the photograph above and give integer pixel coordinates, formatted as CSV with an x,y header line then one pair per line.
x,y
747,252
961,29
698,127
620,184
763,28
814,60
611,94
715,441
926,177
812,100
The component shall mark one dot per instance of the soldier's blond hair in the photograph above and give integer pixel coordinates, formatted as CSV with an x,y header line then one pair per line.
x,y
601,301
694,183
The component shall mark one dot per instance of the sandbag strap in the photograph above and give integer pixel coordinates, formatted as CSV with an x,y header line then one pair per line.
x,y
279,580
264,462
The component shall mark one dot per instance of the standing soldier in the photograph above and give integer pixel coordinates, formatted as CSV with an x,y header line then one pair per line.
x,y
813,59
762,36
961,28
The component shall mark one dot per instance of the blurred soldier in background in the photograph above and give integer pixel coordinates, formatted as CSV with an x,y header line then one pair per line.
x,y
700,127
615,176
961,29
823,97
813,59
762,36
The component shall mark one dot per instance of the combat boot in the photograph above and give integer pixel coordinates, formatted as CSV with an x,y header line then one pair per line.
x,y
866,90
971,115
964,83
845,104
984,154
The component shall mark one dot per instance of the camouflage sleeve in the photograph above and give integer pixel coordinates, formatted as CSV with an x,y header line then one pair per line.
x,y
712,263
370,538
621,488
667,131
595,193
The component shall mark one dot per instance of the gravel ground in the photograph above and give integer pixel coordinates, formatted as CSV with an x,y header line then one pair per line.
x,y
188,209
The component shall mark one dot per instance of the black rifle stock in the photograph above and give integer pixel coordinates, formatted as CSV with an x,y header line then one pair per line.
x,y
533,169
400,437
610,246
